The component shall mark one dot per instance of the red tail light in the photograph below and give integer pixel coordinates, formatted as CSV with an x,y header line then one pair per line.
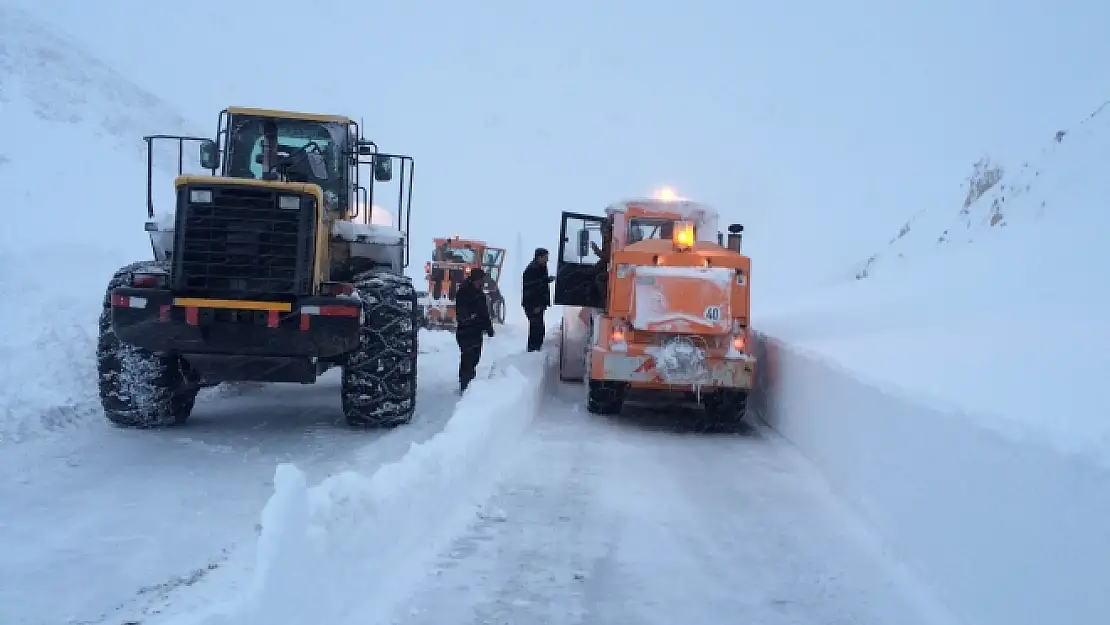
x,y
149,280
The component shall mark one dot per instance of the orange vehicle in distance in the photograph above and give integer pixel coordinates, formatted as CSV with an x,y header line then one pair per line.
x,y
668,313
452,260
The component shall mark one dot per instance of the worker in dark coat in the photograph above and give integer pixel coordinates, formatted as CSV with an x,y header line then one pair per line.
x,y
536,297
472,320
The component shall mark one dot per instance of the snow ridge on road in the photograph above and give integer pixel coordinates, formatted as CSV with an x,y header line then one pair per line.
x,y
340,550
614,521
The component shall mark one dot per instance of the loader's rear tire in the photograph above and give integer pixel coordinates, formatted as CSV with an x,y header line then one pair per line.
x,y
725,411
379,377
604,398
140,388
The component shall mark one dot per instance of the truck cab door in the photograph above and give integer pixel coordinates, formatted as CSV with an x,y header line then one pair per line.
x,y
575,283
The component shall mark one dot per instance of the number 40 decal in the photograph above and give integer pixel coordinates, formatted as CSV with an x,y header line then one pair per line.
x,y
713,313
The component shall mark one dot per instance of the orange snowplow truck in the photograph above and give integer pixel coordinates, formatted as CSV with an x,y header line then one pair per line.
x,y
666,312
452,260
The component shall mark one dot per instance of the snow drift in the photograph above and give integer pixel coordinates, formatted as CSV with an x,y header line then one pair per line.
x,y
338,551
957,396
72,167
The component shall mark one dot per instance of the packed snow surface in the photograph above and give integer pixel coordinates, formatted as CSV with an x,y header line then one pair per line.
x,y
110,524
632,520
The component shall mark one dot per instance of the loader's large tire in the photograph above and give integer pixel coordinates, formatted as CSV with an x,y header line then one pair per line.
x,y
140,388
379,377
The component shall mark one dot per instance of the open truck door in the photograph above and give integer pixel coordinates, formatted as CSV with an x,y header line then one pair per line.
x,y
575,273
576,289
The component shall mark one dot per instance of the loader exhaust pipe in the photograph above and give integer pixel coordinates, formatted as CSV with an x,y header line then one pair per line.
x,y
736,237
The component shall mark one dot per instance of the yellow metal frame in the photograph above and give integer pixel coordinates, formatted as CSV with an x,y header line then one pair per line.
x,y
313,117
231,304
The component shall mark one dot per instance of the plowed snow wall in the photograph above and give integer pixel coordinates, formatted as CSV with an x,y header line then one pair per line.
x,y
1004,531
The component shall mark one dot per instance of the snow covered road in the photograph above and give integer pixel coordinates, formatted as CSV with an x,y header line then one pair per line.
x,y
98,518
607,521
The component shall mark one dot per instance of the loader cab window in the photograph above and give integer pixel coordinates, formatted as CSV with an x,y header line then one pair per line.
x,y
312,150
641,228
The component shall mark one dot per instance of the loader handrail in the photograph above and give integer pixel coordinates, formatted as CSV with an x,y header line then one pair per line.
x,y
149,140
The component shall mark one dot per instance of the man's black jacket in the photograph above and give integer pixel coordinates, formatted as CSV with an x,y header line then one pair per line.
x,y
472,311
534,291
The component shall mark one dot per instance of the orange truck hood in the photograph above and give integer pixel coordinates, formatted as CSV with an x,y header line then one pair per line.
x,y
695,300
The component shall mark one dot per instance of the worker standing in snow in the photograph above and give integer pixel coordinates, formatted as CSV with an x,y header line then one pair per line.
x,y
473,320
536,297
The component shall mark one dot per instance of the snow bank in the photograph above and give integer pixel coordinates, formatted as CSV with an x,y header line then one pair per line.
x,y
338,552
958,397
1003,530
73,173
1009,329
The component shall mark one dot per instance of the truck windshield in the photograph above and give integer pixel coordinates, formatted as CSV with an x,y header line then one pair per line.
x,y
311,151
446,254
640,228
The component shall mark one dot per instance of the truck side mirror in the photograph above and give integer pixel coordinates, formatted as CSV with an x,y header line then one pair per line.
x,y
583,243
383,168
209,155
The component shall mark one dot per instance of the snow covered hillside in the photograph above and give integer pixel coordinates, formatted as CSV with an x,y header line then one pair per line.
x,y
73,172
957,394
995,195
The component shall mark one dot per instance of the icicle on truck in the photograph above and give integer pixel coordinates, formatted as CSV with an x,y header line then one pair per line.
x,y
266,273
666,312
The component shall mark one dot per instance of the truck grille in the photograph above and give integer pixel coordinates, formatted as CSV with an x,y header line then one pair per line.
x,y
242,245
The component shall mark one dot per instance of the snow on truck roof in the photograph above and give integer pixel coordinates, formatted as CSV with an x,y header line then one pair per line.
x,y
688,209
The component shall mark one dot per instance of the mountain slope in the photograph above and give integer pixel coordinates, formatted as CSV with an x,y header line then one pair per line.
x,y
72,169
996,195
1002,320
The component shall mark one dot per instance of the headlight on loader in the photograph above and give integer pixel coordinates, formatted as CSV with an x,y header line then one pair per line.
x,y
289,202
200,196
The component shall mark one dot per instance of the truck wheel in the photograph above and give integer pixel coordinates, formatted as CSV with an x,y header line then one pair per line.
x,y
379,377
140,388
499,311
726,410
604,398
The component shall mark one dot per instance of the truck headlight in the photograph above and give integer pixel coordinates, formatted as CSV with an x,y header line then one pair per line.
x,y
289,202
200,196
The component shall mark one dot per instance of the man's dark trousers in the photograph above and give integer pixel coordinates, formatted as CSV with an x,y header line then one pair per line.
x,y
470,352
535,331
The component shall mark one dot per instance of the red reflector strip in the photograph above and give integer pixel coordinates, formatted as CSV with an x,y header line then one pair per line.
x,y
119,301
330,311
305,319
192,316
272,319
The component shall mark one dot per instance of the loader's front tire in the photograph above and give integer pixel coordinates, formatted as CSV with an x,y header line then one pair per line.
x,y
140,388
379,377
